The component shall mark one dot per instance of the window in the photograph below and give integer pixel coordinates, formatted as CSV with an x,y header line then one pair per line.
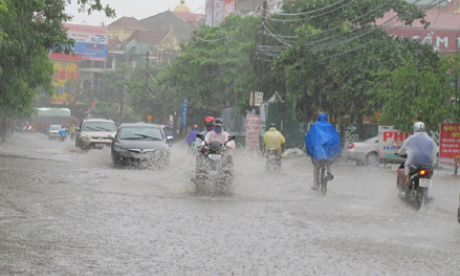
x,y
99,126
140,132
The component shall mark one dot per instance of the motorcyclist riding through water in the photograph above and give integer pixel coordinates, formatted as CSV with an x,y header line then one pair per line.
x,y
221,136
208,124
273,139
421,150
63,133
218,134
322,143
272,146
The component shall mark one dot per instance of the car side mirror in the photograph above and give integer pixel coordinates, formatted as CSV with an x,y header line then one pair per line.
x,y
201,136
111,137
169,138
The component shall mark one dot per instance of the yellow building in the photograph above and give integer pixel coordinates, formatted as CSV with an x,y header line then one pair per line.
x,y
124,27
182,7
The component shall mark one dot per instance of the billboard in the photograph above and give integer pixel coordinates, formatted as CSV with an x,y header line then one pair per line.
x,y
209,4
229,7
90,41
252,132
450,144
63,71
442,40
390,140
218,10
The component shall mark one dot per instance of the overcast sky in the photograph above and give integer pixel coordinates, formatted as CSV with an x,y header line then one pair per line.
x,y
140,9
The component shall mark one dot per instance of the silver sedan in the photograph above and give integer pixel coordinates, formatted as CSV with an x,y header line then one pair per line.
x,y
366,152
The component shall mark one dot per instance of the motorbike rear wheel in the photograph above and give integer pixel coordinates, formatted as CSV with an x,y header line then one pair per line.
x,y
416,202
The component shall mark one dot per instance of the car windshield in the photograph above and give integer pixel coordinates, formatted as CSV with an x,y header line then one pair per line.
x,y
99,126
55,127
135,133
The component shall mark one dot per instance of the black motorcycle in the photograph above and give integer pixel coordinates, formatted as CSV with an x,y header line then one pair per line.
x,y
214,170
414,193
272,161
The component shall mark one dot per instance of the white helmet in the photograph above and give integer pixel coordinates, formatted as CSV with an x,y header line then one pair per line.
x,y
419,127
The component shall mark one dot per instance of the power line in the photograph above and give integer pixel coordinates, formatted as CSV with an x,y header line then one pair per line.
x,y
309,12
334,44
224,37
342,34
372,40
312,17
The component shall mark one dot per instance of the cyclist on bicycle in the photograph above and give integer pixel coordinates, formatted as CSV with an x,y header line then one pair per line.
x,y
322,143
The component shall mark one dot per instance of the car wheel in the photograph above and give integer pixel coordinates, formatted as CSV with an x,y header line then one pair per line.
x,y
372,159
115,160
166,161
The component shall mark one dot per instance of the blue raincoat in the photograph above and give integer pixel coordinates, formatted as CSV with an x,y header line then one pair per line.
x,y
191,138
63,132
322,140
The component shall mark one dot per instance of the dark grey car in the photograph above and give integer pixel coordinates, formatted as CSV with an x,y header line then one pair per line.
x,y
140,143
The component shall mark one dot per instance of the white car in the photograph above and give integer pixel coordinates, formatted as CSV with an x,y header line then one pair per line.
x,y
367,153
94,134
54,131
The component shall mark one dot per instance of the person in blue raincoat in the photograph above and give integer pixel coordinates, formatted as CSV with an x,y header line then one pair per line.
x,y
63,132
322,143
191,138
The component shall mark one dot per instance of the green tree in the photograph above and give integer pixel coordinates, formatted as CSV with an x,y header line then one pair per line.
x,y
328,67
410,93
216,68
28,30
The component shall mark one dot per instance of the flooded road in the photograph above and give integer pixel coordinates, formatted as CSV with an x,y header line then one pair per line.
x,y
67,212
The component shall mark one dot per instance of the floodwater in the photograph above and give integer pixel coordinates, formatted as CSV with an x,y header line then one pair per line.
x,y
67,212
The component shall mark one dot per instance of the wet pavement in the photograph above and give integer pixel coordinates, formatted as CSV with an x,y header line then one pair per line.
x,y
68,212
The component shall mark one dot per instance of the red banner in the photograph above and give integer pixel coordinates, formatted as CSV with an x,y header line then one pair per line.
x,y
61,56
229,7
252,131
450,141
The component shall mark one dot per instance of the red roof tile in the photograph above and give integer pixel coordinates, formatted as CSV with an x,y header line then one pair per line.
x,y
438,20
452,6
189,17
152,37
111,42
128,22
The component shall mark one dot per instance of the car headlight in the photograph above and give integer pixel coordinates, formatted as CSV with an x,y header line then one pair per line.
x,y
119,148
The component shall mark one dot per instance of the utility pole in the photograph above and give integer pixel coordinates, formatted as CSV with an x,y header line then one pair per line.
x,y
146,70
258,65
122,89
91,90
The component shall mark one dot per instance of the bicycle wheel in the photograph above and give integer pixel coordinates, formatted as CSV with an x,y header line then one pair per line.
x,y
323,180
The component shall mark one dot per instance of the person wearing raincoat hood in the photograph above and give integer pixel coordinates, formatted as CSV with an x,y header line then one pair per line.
x,y
322,143
191,138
